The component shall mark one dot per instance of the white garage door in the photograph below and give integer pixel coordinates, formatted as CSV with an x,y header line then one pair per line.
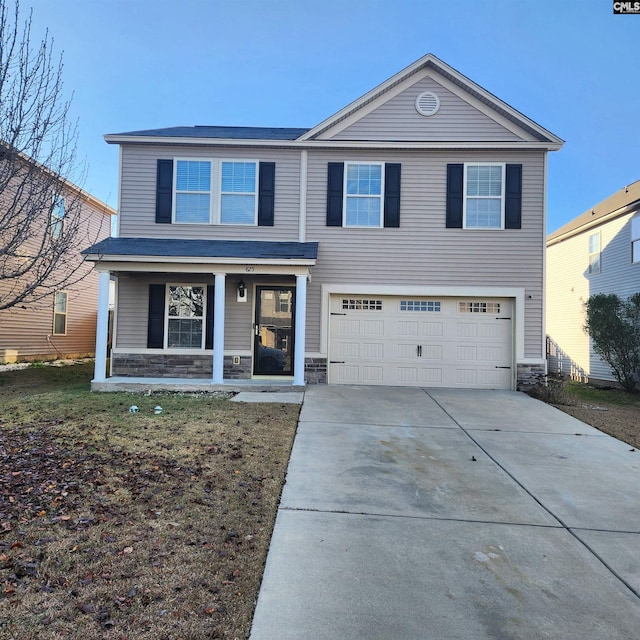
x,y
414,341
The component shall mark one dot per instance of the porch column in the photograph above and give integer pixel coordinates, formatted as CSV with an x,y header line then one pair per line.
x,y
102,328
300,331
218,328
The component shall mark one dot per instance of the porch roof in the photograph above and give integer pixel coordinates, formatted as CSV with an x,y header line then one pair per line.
x,y
113,248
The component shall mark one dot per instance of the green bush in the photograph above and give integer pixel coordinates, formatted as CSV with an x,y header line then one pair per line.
x,y
614,327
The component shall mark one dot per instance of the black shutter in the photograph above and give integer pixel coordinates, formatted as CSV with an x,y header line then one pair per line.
x,y
208,335
266,194
334,194
155,328
455,179
513,197
392,195
164,191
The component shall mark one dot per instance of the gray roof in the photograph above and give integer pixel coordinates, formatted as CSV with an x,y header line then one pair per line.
x,y
230,133
173,248
621,200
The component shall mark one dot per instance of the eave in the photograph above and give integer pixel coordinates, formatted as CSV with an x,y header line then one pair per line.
x,y
335,144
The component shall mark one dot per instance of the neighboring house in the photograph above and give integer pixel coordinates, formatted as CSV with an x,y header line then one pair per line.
x,y
597,252
62,323
399,242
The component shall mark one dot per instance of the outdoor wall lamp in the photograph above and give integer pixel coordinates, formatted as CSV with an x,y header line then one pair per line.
x,y
242,291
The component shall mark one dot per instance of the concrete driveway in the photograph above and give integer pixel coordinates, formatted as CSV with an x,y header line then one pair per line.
x,y
447,514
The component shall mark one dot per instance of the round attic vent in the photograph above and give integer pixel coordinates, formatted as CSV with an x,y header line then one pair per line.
x,y
427,104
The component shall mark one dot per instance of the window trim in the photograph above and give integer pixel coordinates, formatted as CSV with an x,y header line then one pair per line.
x,y
167,317
215,193
64,313
380,196
256,192
635,240
57,221
465,197
175,189
597,253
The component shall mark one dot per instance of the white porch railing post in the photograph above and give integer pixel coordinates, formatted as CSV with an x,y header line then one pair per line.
x,y
218,328
102,328
300,331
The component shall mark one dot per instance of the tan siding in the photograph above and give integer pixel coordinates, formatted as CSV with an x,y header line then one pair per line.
x,y
25,331
422,251
569,286
397,119
138,194
133,303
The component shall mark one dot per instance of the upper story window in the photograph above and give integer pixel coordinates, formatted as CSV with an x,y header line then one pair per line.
x,y
214,191
594,253
635,238
484,196
57,218
185,317
60,313
238,202
363,195
193,191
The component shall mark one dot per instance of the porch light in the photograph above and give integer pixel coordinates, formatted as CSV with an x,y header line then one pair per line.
x,y
242,291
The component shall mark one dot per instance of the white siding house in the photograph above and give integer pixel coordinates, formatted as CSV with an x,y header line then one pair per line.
x,y
597,252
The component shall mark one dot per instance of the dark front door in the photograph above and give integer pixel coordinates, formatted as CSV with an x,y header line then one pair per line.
x,y
273,344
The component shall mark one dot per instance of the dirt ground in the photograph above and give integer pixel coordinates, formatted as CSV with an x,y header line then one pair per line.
x,y
622,422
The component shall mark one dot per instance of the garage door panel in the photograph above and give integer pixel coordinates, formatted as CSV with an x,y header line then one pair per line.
x,y
447,343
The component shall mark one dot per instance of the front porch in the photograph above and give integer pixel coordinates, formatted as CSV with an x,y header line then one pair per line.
x,y
203,315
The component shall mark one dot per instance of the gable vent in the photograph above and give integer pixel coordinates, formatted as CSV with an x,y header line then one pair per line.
x,y
427,104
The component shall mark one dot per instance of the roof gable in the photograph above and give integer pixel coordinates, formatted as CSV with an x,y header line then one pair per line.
x,y
452,80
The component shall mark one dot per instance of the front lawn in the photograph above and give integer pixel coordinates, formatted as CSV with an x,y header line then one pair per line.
x,y
119,525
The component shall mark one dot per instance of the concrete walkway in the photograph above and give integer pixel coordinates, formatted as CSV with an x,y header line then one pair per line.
x,y
413,514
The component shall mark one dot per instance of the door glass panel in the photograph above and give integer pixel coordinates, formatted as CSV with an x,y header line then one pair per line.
x,y
273,346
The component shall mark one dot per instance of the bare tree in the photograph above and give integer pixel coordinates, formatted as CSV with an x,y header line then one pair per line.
x,y
41,230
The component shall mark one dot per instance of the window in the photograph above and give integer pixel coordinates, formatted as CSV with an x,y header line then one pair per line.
x,y
193,191
363,195
635,238
185,317
283,303
222,192
419,305
484,196
57,218
238,202
479,307
361,305
594,253
60,313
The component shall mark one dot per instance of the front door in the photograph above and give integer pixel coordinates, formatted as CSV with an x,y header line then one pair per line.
x,y
273,343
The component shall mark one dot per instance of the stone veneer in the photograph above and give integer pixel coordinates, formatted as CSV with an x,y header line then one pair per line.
x,y
530,375
315,370
165,365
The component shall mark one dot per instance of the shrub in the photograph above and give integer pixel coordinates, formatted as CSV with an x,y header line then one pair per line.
x,y
614,327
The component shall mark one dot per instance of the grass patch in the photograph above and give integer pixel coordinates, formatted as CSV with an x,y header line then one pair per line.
x,y
137,526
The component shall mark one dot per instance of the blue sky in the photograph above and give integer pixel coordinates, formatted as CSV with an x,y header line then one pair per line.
x,y
570,65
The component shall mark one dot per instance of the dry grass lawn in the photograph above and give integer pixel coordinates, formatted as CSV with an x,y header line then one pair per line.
x,y
116,525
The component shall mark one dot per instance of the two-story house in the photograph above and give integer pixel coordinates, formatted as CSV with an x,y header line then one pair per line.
x,y
398,242
48,291
597,252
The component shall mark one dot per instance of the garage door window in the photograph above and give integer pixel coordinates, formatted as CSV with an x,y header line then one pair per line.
x,y
479,307
361,304
419,305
